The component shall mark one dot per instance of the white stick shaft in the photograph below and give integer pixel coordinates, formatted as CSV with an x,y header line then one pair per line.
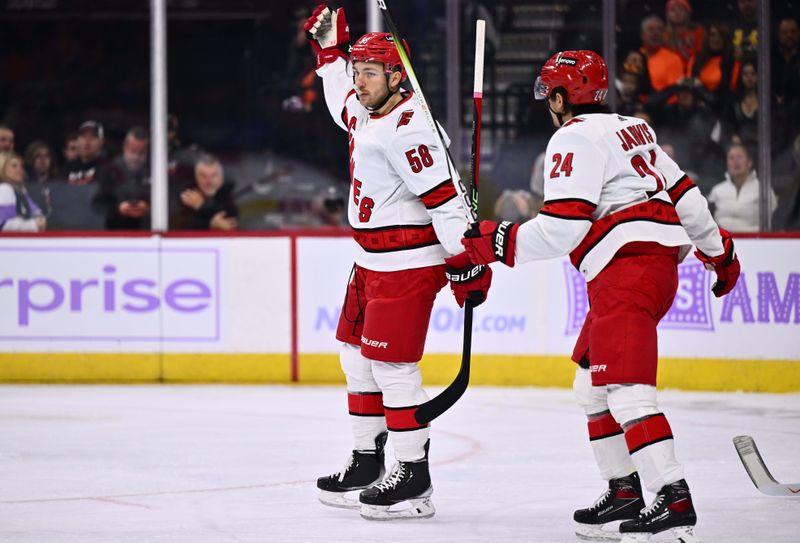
x,y
480,39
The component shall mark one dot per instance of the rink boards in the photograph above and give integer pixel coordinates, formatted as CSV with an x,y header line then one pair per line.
x,y
264,308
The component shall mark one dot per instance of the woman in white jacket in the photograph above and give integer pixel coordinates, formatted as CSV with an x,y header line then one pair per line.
x,y
17,211
736,198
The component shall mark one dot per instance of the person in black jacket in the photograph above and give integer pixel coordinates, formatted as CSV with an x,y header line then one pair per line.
x,y
123,192
209,205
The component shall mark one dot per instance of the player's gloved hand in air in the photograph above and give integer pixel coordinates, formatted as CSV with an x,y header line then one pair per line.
x,y
725,265
494,242
468,281
328,32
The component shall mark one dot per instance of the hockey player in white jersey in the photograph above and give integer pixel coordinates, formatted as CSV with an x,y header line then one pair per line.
x,y
406,220
626,214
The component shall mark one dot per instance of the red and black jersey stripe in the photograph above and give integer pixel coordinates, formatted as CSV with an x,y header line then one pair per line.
x,y
603,425
573,209
395,238
655,211
401,419
439,195
647,431
365,404
684,185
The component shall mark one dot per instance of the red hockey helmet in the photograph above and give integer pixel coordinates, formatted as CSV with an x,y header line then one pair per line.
x,y
379,47
582,74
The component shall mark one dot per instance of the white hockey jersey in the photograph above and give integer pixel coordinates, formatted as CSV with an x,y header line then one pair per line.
x,y
403,205
608,183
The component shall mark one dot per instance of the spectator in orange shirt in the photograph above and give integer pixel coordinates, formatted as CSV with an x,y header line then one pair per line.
x,y
715,65
664,66
683,36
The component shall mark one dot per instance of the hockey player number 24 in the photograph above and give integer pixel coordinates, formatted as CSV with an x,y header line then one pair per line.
x,y
424,160
561,165
641,167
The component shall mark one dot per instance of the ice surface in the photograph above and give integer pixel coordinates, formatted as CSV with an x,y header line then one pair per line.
x,y
151,464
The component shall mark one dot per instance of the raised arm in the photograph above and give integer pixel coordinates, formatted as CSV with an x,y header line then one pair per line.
x,y
328,34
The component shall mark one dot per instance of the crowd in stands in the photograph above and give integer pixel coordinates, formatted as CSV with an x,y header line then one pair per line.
x,y
696,83
92,191
695,79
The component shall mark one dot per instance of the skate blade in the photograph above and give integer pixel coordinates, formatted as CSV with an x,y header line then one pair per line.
x,y
342,500
680,534
599,532
418,508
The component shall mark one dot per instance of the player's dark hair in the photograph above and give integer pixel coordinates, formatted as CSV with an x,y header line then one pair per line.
x,y
583,109
580,109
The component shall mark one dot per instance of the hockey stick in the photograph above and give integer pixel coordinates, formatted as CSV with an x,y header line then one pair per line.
x,y
758,472
434,407
423,104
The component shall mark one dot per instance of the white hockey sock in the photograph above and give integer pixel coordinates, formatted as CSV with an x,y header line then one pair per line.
x,y
612,457
401,384
605,434
365,402
647,434
657,465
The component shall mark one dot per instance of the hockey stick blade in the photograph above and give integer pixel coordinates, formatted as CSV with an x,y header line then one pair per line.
x,y
431,409
758,472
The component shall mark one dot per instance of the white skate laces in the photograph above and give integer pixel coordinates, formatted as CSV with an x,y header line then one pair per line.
x,y
650,509
398,472
346,467
603,497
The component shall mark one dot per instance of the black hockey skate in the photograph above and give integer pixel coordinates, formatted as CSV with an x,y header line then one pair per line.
x,y
408,482
672,509
363,469
621,501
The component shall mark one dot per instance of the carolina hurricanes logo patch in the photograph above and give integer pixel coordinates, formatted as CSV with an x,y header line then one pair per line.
x,y
405,118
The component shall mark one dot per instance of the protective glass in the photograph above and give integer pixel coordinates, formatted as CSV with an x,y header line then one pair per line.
x,y
540,90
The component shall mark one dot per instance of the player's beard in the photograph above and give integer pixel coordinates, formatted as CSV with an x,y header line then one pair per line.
x,y
372,100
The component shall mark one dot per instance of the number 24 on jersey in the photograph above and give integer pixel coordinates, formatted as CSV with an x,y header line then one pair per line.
x,y
561,165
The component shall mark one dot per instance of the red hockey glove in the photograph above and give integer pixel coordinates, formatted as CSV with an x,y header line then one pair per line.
x,y
327,30
493,242
467,280
725,265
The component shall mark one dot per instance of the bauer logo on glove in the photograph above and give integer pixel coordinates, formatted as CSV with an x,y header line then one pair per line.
x,y
468,281
493,242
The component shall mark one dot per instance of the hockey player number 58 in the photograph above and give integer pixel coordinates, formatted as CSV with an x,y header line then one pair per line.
x,y
424,160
